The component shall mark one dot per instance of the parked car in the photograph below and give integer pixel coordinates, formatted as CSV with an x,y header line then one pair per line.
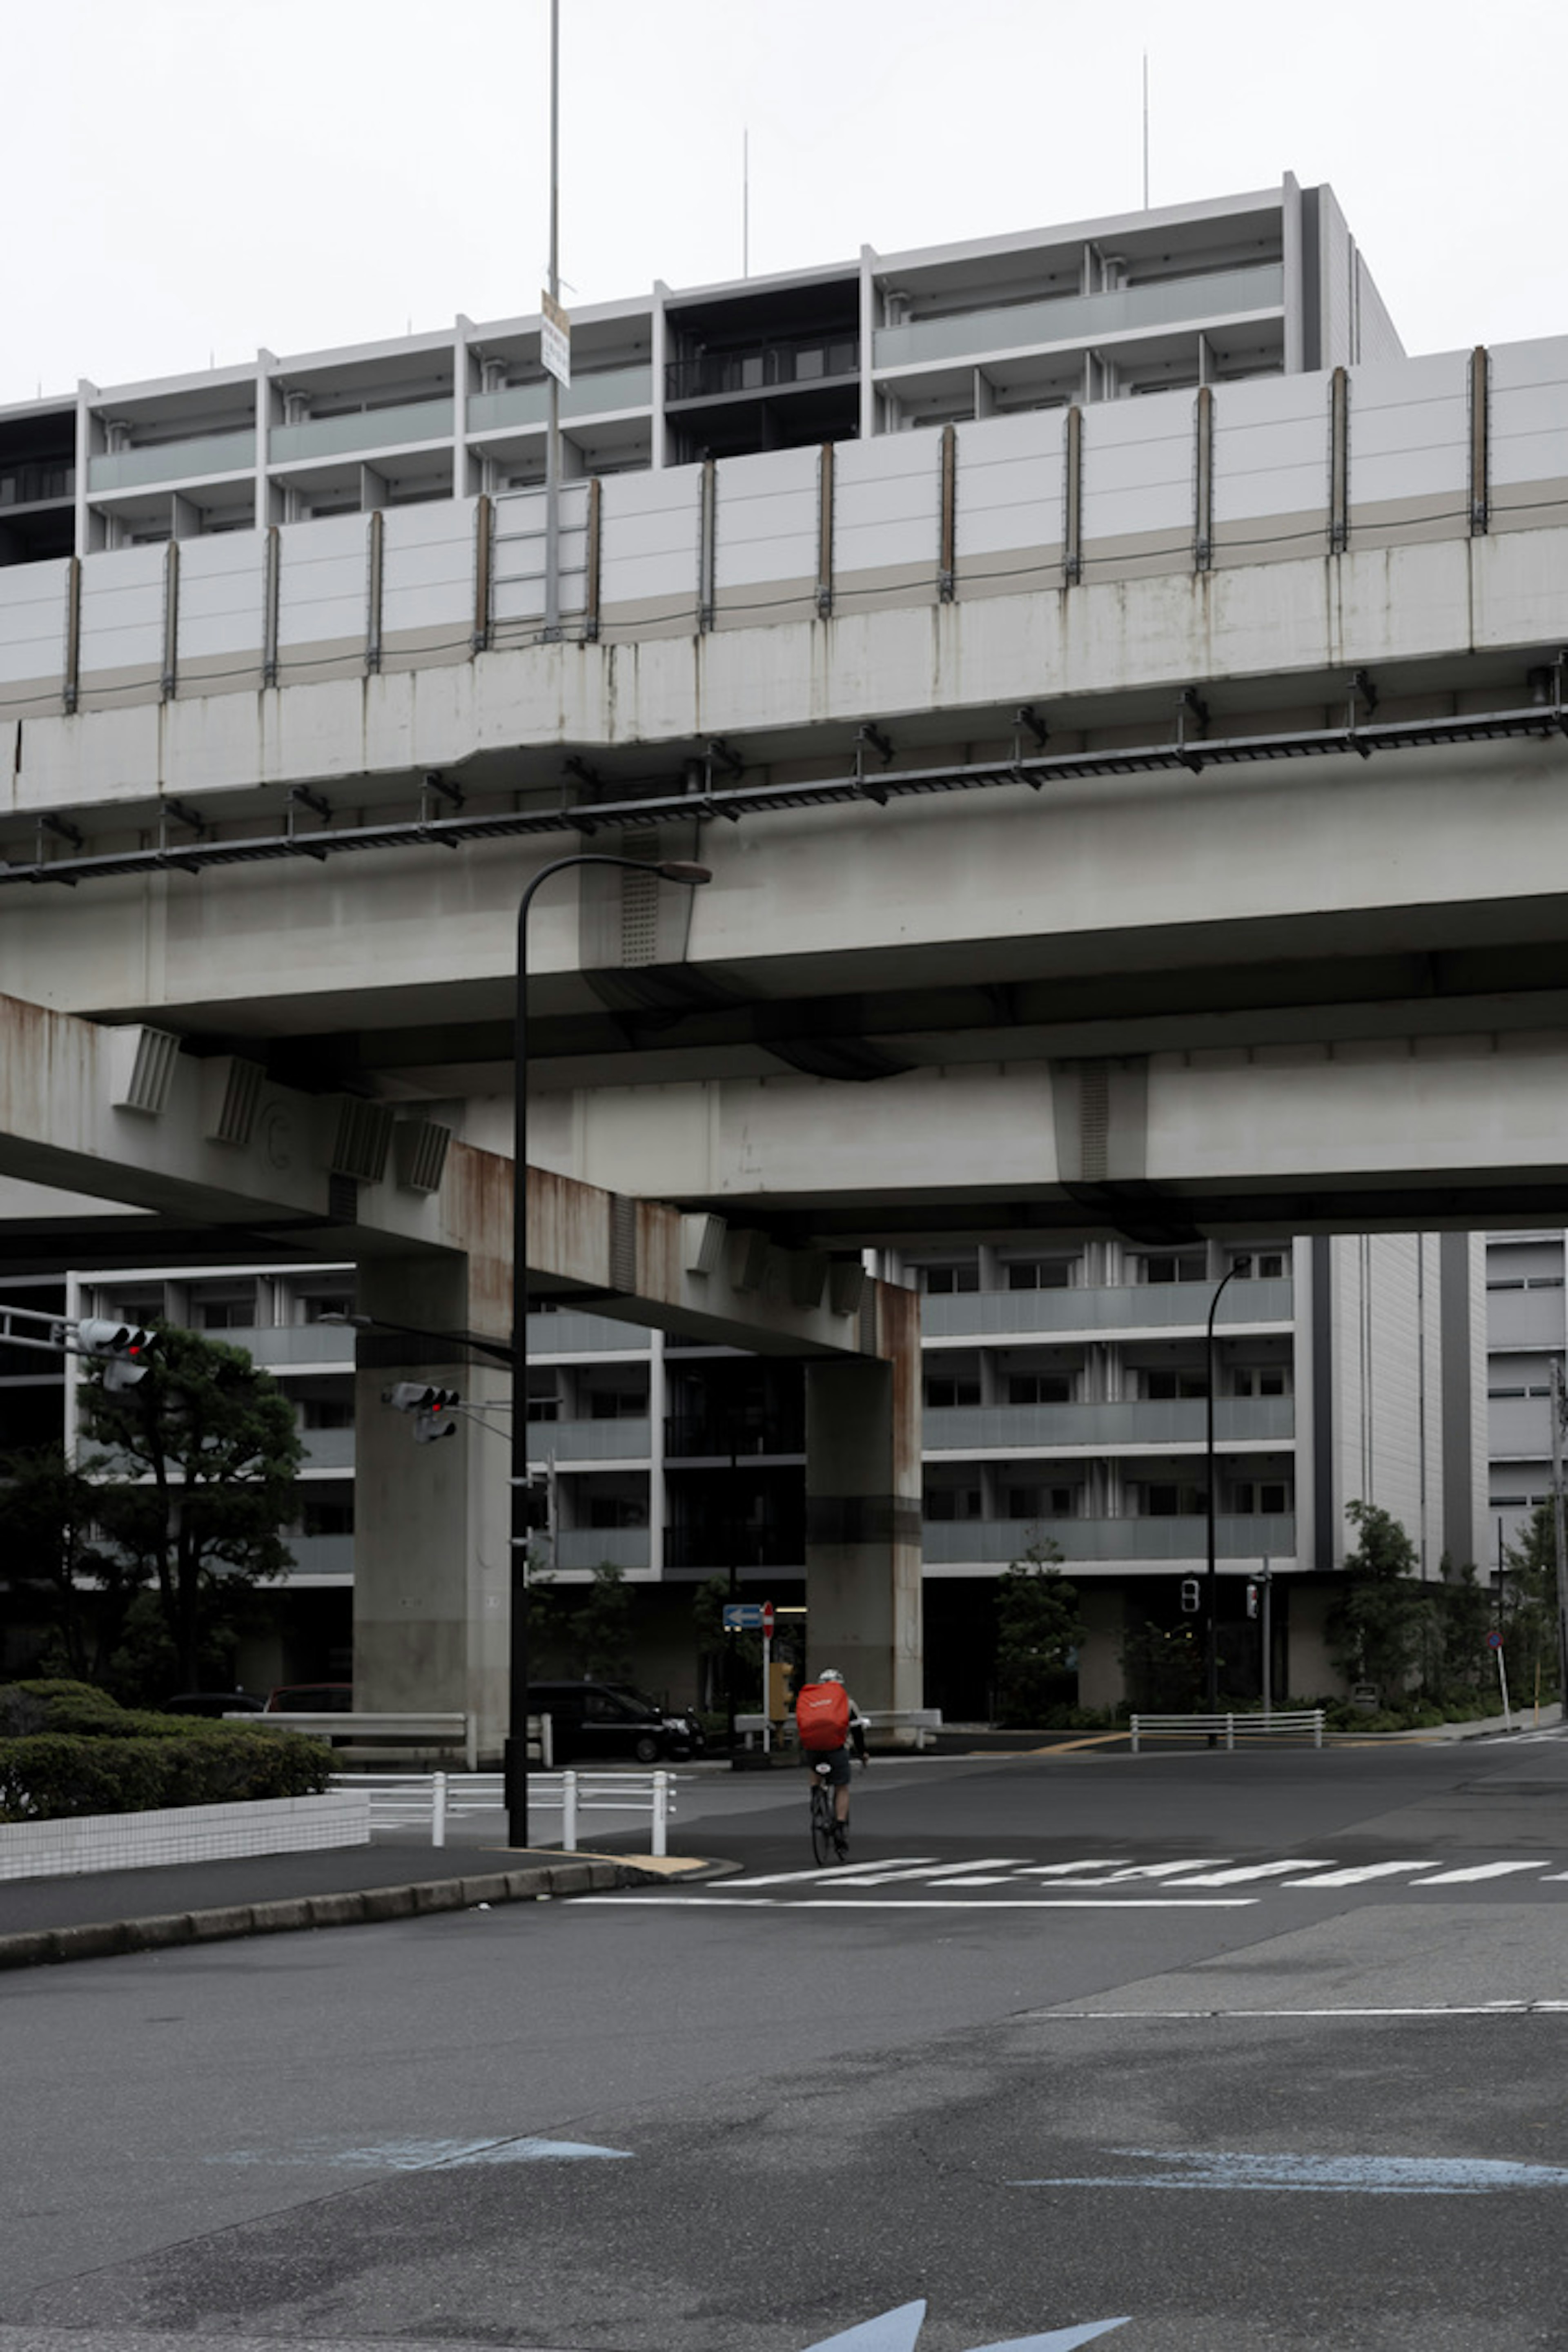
x,y
593,1720
311,1698
213,1703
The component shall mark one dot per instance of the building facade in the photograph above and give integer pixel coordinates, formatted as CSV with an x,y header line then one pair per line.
x,y
1261,284
1066,1416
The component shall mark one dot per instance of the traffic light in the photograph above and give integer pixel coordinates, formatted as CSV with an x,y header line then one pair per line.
x,y
434,1409
127,1348
1192,1596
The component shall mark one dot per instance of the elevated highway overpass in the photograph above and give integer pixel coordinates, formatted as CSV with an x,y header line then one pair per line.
x,y
1158,831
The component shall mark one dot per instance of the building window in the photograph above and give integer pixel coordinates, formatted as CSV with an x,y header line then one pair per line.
x,y
1039,1274
1172,1381
327,1518
616,1404
231,1314
1259,1379
616,1511
945,1390
1263,1265
1171,1500
1039,1387
946,1503
1040,1502
1172,1265
1265,1496
327,1413
941,1281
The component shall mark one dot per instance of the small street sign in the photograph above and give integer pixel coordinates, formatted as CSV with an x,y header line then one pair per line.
x,y
746,1617
767,1620
555,339
1494,1640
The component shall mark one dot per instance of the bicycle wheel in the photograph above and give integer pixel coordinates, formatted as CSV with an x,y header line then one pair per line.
x,y
821,1825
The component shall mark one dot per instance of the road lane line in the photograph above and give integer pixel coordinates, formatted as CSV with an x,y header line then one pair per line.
x,y
1359,1873
1476,1870
834,1870
882,1876
935,1902
1243,1871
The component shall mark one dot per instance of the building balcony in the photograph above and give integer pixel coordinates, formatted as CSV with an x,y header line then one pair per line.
x,y
579,1550
985,1543
575,1333
767,367
1117,1311
285,1347
171,461
320,1559
1074,318
574,1441
1142,1425
361,431
36,486
602,394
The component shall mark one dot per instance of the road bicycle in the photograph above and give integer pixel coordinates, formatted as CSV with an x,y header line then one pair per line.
x,y
829,1836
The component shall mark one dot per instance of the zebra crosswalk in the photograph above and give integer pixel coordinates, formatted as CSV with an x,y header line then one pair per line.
x,y
1017,1882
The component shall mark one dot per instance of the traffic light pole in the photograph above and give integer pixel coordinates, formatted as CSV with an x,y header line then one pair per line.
x,y
515,1754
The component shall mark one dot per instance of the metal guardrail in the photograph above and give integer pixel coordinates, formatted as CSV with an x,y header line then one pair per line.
x,y
1279,1723
461,1796
450,1730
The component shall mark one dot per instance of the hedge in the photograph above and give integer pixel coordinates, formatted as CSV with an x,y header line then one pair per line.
x,y
73,1751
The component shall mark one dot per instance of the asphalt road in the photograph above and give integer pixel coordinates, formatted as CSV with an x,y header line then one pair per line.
x,y
1265,2050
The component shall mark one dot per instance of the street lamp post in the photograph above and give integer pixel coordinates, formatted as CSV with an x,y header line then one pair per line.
x,y
1211,1589
515,1758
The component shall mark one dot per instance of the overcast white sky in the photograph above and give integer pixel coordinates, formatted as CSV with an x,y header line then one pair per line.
x,y
185,180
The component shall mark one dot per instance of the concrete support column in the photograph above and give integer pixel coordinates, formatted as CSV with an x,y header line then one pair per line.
x,y
430,1521
863,1509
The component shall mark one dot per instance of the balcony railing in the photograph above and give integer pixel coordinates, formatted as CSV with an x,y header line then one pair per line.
x,y
589,1548
575,1333
1082,317
1152,1421
993,1542
598,394
1116,1309
171,461
808,358
362,429
593,1441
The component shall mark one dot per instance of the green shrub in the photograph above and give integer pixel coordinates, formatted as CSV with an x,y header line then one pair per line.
x,y
53,1776
67,1749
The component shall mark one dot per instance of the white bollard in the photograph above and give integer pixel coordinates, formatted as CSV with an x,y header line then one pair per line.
x,y
437,1808
660,1814
569,1812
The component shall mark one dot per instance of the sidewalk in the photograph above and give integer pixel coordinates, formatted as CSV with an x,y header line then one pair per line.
x,y
94,1916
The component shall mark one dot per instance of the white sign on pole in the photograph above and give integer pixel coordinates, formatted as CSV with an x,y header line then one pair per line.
x,y
555,340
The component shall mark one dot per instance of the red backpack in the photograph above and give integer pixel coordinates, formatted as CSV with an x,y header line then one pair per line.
x,y
822,1715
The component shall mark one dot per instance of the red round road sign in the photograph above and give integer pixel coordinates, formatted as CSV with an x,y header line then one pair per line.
x,y
1494,1640
768,1619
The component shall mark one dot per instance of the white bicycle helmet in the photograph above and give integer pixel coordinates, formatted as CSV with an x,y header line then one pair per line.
x,y
830,1675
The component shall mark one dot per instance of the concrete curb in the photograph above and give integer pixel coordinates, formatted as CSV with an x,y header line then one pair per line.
x,y
111,1939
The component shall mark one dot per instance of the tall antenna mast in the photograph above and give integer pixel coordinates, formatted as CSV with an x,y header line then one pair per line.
x,y
1145,130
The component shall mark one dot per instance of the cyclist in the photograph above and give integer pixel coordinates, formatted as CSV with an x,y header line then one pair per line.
x,y
827,1719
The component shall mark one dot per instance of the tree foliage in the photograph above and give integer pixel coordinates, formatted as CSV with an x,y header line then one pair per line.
x,y
196,1476
1529,1606
1380,1621
1037,1628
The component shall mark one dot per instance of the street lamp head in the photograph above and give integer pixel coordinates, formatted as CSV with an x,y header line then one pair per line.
x,y
678,869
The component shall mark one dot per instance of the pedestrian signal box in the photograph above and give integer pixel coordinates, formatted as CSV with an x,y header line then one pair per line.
x,y
1192,1595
